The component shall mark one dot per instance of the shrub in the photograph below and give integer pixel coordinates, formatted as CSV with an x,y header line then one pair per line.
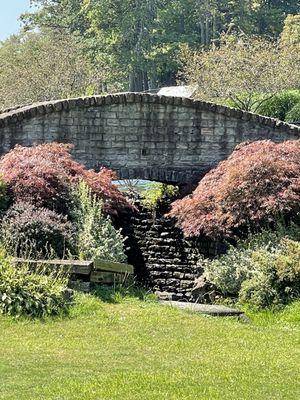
x,y
97,238
294,114
24,292
157,192
257,183
259,292
277,280
287,269
258,272
280,105
4,199
229,271
28,230
44,175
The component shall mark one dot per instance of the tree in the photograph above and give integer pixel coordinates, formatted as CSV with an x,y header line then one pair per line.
x,y
45,175
139,39
291,32
269,15
245,70
43,66
258,183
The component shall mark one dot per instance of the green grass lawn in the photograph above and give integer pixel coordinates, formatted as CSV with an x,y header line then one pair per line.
x,y
140,350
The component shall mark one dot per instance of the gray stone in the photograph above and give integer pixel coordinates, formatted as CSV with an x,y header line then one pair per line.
x,y
209,309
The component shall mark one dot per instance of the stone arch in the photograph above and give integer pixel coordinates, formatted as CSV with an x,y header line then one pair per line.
x,y
144,136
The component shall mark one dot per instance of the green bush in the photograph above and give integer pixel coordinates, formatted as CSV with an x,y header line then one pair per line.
x,y
30,231
280,105
97,237
156,192
24,292
3,195
259,292
287,268
294,114
263,271
229,271
277,280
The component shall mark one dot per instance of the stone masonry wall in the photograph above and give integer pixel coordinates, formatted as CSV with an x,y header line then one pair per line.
x,y
140,135
163,259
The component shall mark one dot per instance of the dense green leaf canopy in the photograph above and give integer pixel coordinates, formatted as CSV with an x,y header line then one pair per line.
x,y
139,39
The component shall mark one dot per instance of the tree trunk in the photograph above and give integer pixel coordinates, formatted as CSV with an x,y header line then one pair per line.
x,y
138,81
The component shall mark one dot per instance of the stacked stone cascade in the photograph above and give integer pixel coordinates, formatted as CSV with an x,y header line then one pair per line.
x,y
170,262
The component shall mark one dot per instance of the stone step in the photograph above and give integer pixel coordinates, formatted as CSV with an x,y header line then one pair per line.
x,y
208,309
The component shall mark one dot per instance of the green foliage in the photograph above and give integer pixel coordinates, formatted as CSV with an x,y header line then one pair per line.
x,y
294,114
280,105
263,271
229,271
287,268
24,292
259,292
247,70
97,238
136,42
48,66
291,31
4,198
278,278
157,192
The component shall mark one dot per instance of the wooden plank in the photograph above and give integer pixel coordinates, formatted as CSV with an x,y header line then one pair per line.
x,y
110,266
69,266
108,278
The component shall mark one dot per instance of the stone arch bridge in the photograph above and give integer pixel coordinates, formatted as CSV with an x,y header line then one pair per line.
x,y
144,136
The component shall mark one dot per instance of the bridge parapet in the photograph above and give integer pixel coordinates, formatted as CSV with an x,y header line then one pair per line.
x,y
141,135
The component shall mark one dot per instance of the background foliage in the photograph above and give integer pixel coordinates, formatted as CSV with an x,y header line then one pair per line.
x,y
247,71
47,66
107,45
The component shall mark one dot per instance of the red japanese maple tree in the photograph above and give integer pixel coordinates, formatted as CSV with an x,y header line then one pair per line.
x,y
258,182
44,174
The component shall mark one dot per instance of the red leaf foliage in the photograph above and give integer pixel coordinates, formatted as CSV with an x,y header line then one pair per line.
x,y
44,175
258,182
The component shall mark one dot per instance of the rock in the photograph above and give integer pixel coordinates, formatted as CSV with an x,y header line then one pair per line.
x,y
214,310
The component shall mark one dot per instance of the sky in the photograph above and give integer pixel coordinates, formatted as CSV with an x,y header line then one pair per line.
x,y
10,10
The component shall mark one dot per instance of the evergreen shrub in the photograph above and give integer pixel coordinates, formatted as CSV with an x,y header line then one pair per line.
x,y
97,237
